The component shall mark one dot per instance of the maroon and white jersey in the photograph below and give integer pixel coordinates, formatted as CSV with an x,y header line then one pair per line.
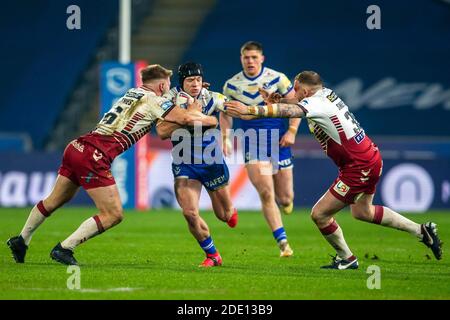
x,y
338,132
128,120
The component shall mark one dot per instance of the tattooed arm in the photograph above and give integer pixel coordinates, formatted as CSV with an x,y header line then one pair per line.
x,y
289,101
276,110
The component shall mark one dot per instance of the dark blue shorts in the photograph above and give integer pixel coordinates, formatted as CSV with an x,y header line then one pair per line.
x,y
268,150
212,176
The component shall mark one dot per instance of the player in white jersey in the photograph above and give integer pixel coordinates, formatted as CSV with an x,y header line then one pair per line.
x,y
87,162
200,168
357,157
273,187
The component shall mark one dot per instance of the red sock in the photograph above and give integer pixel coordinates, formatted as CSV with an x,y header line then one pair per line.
x,y
378,216
42,209
331,228
99,223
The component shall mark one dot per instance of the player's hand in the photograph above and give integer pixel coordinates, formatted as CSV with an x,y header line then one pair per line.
x,y
288,139
206,85
273,97
194,105
235,109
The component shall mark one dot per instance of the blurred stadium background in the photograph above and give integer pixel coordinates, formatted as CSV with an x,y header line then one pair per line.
x,y
396,80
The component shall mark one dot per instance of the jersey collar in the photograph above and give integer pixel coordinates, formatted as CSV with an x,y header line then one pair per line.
x,y
254,78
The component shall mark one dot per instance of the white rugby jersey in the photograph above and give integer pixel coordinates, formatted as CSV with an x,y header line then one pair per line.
x,y
132,116
337,130
210,101
245,89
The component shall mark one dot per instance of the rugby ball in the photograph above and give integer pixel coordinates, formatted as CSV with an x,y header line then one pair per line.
x,y
183,99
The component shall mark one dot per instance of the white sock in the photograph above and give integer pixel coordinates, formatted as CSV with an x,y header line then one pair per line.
x,y
335,237
34,220
395,220
88,229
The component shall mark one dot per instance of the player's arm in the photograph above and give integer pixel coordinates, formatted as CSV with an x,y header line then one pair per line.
x,y
275,110
225,123
184,117
164,129
288,139
294,123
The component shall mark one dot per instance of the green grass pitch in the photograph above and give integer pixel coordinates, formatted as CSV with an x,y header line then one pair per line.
x,y
152,255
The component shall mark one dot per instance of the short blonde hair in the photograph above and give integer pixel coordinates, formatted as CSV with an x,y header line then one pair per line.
x,y
155,72
252,45
310,78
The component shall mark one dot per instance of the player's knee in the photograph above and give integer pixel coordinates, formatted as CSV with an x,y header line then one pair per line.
x,y
285,199
190,214
266,195
317,215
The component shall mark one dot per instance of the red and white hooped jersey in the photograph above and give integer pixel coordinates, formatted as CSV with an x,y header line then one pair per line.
x,y
337,130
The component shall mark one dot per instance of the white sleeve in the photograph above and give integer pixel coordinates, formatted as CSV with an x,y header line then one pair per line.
x,y
160,107
219,100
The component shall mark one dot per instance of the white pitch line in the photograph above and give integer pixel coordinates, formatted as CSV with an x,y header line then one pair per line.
x,y
87,290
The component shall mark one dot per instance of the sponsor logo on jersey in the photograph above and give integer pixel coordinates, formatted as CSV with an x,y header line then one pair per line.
x,y
359,137
365,175
215,182
285,163
166,105
89,177
266,85
97,155
177,170
332,96
341,188
77,145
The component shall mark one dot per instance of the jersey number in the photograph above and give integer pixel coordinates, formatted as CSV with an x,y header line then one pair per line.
x,y
356,127
111,116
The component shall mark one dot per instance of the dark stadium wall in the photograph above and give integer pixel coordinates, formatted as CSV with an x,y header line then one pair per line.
x,y
395,79
42,59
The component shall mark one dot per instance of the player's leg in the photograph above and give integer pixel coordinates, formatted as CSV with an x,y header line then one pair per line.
x,y
215,178
222,205
62,192
364,210
323,216
187,192
107,200
284,189
260,177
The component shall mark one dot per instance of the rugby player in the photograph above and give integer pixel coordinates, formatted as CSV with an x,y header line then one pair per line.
x,y
357,157
276,188
201,168
87,162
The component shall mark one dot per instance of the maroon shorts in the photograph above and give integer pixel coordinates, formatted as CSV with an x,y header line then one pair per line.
x,y
86,166
352,183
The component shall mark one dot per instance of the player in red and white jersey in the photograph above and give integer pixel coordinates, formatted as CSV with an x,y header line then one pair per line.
x,y
357,157
87,161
